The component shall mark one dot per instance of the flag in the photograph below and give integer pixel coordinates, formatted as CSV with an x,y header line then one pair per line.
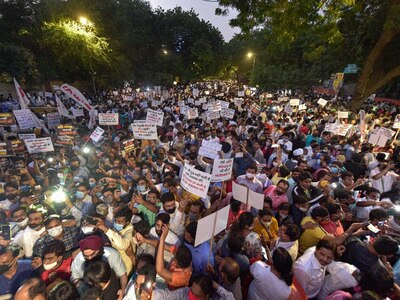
x,y
75,94
62,110
23,99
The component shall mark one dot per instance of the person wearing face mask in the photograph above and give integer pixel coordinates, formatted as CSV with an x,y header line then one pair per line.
x,y
78,170
11,192
27,238
196,211
249,180
336,215
121,237
20,220
266,226
13,272
176,211
288,236
55,231
148,208
55,266
172,158
306,190
283,215
141,186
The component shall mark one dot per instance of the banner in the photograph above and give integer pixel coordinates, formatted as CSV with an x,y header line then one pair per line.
x,y
155,117
6,119
396,124
25,118
23,99
255,109
210,149
108,118
144,131
53,120
192,113
61,108
97,134
222,170
66,134
26,136
76,95
195,181
41,145
227,113
128,145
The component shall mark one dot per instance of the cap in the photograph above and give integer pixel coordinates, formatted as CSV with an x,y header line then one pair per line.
x,y
298,152
92,242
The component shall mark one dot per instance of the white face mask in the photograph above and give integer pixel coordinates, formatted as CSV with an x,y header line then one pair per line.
x,y
50,266
56,231
23,223
303,209
87,229
249,175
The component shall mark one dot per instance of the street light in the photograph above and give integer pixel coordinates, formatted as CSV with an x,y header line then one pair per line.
x,y
84,21
165,52
250,54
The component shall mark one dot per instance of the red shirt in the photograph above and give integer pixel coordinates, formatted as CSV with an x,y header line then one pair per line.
x,y
63,272
332,228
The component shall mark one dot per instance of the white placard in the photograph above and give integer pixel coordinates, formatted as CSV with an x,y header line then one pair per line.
x,y
211,225
227,113
144,131
294,102
155,103
211,115
41,145
373,139
343,114
343,129
222,170
256,200
108,118
25,118
302,107
192,113
239,192
396,124
155,117
195,92
210,149
195,181
96,134
386,132
331,127
214,106
240,93
26,136
224,104
238,101
322,102
78,112
53,119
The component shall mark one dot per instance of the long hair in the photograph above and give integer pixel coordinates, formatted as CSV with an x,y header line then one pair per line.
x,y
282,262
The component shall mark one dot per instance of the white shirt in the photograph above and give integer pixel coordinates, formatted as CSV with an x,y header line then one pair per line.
x,y
383,184
27,238
309,272
363,212
266,285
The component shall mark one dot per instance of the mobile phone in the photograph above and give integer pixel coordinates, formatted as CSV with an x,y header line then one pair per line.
x,y
146,286
6,232
90,220
372,228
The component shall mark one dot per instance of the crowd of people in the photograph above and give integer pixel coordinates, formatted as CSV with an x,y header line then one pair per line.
x,y
98,220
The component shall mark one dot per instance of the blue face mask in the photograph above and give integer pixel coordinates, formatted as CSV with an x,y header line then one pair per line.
x,y
92,184
164,190
98,194
141,188
79,195
334,170
25,188
118,227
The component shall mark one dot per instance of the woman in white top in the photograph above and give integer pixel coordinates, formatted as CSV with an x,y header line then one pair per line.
x,y
272,282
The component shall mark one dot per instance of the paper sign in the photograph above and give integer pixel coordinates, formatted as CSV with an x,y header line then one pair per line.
x,y
26,136
25,118
386,132
96,134
228,113
238,101
322,102
155,117
128,145
239,192
210,149
78,113
155,103
211,115
256,200
66,130
108,119
41,145
294,102
343,129
144,131
6,119
240,93
222,170
224,104
211,225
214,106
53,119
331,127
195,92
192,113
343,114
382,141
255,109
302,107
195,181
396,124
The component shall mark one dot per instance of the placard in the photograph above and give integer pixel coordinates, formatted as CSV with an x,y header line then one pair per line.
x,y
6,119
41,145
214,106
238,101
294,102
97,134
332,127
240,93
144,131
25,118
53,119
195,181
211,225
108,118
26,136
227,113
241,193
222,170
192,113
255,109
128,145
210,149
386,132
224,104
343,129
396,124
212,115
66,134
155,117
302,107
343,114
77,112
322,102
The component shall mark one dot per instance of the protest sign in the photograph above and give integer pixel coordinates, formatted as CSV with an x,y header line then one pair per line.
x,y
396,124
322,102
224,104
195,92
247,196
66,134
6,150
238,101
203,100
211,115
144,131
256,200
53,119
23,99
76,112
294,102
108,118
331,127
386,132
26,136
25,118
222,170
195,181
96,134
190,101
18,146
227,113
302,107
41,145
255,109
211,225
214,106
155,103
239,192
343,129
377,139
155,117
128,145
343,114
240,93
76,95
210,149
6,119
192,113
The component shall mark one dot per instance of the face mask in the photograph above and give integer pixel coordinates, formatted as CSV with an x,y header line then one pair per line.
x,y
303,209
79,195
87,229
141,188
318,161
172,161
108,199
171,210
5,268
275,164
266,224
192,217
145,171
50,266
23,223
334,170
25,188
74,168
98,194
283,216
92,184
164,190
56,231
118,227
249,175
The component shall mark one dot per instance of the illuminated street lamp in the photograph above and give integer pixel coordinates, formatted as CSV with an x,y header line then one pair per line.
x,y
250,54
165,52
84,21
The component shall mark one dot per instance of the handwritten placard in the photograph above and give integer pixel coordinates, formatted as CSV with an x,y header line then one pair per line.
x,y
128,145
227,113
25,118
26,136
294,102
322,102
195,181
210,149
343,114
214,106
155,117
144,131
222,170
6,119
212,115
53,119
97,134
192,113
108,119
41,145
